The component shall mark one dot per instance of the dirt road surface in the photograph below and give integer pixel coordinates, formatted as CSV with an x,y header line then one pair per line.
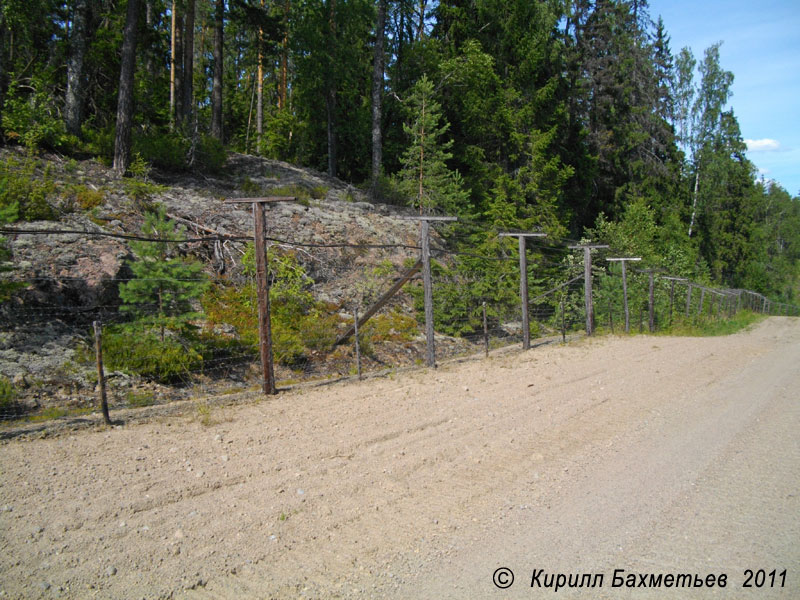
x,y
655,455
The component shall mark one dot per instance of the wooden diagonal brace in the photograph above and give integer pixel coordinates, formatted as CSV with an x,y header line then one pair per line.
x,y
381,302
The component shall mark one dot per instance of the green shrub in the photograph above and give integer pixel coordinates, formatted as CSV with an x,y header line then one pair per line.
x,y
300,193
281,138
300,325
140,399
172,151
8,396
168,151
85,197
99,143
318,192
391,327
210,155
31,119
250,187
137,352
20,184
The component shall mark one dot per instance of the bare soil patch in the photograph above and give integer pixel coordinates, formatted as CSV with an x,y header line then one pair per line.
x,y
654,454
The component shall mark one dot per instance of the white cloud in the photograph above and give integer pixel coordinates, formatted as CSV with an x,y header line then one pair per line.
x,y
765,145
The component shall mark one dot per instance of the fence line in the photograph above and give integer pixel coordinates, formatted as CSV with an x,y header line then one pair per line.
x,y
219,356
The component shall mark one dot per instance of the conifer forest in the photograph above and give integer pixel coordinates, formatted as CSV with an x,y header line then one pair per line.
x,y
576,118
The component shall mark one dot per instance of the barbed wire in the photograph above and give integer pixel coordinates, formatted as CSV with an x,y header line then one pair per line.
x,y
228,360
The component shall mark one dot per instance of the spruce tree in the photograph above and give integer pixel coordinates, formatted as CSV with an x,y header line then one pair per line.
x,y
425,177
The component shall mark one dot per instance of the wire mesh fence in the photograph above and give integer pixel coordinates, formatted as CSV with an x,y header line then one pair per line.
x,y
154,354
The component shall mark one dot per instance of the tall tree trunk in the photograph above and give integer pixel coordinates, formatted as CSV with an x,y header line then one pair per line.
x,y
330,92
188,66
73,101
284,77
173,63
377,97
216,90
423,7
149,19
122,141
330,107
260,88
694,199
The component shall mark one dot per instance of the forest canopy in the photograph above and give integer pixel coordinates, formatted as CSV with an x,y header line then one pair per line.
x,y
573,117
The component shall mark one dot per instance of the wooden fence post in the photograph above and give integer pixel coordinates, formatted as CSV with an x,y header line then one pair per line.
x,y
651,303
671,301
610,316
262,285
101,376
625,287
587,282
702,298
427,281
523,284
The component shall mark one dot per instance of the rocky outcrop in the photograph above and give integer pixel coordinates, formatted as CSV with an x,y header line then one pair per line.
x,y
70,279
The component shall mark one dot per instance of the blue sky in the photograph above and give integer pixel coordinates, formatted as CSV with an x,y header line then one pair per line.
x,y
761,46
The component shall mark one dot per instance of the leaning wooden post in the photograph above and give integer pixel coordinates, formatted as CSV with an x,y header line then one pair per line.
x,y
625,287
587,282
262,286
523,284
427,281
101,376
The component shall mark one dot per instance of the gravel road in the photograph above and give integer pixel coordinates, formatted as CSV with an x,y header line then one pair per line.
x,y
653,455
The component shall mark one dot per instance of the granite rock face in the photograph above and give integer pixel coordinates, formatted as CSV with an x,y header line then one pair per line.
x,y
70,279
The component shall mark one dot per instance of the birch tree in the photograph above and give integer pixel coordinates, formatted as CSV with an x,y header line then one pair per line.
x,y
712,96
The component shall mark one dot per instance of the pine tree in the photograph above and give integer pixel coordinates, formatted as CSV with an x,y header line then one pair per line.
x,y
216,88
122,141
425,177
164,285
73,102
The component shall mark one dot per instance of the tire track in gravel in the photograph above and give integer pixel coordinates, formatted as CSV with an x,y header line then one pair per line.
x,y
360,490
